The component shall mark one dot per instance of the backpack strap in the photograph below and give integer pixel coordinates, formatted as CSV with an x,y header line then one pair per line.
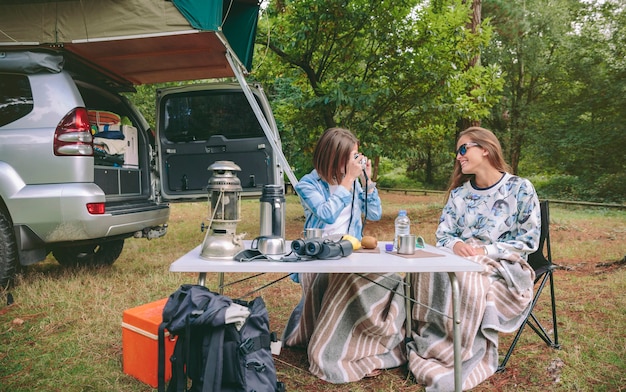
x,y
214,362
178,382
179,361
256,343
161,358
181,384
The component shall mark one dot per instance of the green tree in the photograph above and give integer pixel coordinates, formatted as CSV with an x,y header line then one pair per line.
x,y
562,111
588,116
394,73
528,38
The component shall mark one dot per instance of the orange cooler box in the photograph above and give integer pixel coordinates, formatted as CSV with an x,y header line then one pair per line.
x,y
140,342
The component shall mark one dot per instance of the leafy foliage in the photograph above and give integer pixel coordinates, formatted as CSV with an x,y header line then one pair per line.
x,y
396,74
562,112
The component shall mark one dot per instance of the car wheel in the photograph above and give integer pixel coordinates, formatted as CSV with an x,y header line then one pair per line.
x,y
104,253
9,260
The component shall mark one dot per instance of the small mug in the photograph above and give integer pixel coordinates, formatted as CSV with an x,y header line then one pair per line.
x,y
269,245
406,244
311,233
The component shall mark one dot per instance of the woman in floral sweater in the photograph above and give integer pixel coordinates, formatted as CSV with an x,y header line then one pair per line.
x,y
492,217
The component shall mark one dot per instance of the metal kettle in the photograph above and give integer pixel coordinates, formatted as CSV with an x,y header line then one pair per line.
x,y
273,211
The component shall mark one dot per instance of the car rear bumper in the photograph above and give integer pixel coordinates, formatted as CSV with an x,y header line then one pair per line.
x,y
58,213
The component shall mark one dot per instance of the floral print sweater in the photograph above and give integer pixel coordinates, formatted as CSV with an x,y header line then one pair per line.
x,y
505,218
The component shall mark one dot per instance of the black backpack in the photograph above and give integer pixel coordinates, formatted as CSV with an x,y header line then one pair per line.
x,y
214,355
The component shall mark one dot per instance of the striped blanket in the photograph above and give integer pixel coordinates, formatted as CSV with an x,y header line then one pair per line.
x,y
493,301
349,325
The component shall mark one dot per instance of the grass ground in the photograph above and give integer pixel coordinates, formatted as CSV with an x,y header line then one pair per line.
x,y
63,333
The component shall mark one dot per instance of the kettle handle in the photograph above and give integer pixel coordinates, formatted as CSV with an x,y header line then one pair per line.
x,y
276,218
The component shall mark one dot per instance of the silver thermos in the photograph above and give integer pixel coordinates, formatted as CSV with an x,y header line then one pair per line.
x,y
273,211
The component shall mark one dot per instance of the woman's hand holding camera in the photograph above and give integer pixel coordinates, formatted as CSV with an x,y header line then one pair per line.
x,y
366,172
366,168
354,170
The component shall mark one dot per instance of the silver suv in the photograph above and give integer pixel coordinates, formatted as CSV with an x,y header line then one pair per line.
x,y
79,168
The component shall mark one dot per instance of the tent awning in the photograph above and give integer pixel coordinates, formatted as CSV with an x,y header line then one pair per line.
x,y
138,41
184,56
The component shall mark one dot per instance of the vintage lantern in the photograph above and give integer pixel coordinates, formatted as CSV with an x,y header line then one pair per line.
x,y
221,240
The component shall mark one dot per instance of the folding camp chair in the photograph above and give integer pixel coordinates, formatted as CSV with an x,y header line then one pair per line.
x,y
542,264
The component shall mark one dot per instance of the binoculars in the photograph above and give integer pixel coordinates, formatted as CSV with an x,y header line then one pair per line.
x,y
322,248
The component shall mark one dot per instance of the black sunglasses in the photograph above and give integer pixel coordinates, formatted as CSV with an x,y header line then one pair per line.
x,y
463,148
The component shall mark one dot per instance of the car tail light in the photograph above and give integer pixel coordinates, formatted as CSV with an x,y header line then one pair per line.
x,y
73,134
95,208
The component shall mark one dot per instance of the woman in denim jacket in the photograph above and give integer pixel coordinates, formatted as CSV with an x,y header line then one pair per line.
x,y
351,326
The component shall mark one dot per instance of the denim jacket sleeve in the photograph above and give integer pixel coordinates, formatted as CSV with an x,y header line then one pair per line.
x,y
322,208
315,196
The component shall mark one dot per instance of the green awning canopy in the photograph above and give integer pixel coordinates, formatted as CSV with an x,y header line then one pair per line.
x,y
138,41
239,22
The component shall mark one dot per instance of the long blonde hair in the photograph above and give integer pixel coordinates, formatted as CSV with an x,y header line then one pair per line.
x,y
488,141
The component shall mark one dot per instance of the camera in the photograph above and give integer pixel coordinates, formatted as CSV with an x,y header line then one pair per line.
x,y
363,160
322,249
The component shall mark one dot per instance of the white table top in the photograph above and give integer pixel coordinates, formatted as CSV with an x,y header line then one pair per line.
x,y
358,262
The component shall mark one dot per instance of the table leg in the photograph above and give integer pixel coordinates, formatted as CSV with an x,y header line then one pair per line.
x,y
456,321
220,282
202,278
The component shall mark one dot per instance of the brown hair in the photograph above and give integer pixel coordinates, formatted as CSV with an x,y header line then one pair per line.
x,y
332,152
489,142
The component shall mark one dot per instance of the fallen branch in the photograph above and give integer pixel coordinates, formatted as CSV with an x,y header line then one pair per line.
x,y
613,263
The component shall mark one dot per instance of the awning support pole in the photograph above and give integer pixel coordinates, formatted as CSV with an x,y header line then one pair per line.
x,y
262,120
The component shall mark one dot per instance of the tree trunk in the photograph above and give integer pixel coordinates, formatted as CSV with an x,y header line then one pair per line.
x,y
429,167
516,147
375,163
465,123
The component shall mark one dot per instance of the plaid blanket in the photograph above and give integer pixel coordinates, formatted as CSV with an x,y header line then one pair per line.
x,y
350,325
493,301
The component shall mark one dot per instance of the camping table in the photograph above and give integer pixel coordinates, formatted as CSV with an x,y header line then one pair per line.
x,y
428,260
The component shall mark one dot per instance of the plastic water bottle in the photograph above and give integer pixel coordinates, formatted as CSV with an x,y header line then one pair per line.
x,y
402,226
